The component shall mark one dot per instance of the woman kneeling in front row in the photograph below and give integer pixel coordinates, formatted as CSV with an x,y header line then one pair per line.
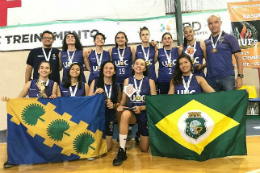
x,y
136,88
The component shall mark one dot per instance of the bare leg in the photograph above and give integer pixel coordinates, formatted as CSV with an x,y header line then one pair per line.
x,y
144,143
109,143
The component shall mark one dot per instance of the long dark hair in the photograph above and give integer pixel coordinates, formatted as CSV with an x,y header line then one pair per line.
x,y
145,73
67,82
100,81
78,44
177,75
44,61
121,32
184,39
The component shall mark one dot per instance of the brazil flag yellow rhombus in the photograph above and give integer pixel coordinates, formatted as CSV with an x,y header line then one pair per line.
x,y
197,127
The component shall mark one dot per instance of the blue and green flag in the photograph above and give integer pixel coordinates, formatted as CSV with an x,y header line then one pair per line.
x,y
54,130
198,126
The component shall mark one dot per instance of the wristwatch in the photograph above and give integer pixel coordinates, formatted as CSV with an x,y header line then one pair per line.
x,y
240,75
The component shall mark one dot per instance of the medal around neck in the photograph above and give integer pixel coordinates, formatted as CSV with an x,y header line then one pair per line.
x,y
122,63
137,98
215,50
129,90
214,46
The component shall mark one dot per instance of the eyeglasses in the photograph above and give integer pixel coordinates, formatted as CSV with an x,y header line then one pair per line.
x,y
47,38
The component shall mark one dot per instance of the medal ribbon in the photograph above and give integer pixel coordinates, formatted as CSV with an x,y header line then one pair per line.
x,y
72,56
186,85
146,55
73,93
168,56
99,60
108,93
121,56
138,89
45,56
215,45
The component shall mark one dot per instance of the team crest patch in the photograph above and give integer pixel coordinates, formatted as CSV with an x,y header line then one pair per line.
x,y
195,125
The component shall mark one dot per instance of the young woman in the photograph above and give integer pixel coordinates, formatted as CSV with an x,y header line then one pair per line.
x,y
106,83
73,85
97,57
195,49
184,82
167,58
147,52
136,88
122,56
72,52
42,87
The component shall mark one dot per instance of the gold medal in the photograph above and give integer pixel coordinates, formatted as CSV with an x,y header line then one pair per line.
x,y
169,64
147,63
137,98
98,67
69,63
121,62
214,50
108,100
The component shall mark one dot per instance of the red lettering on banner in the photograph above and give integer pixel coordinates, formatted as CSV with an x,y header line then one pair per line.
x,y
4,5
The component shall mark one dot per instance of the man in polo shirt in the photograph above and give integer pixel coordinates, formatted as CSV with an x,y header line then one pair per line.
x,y
219,47
44,53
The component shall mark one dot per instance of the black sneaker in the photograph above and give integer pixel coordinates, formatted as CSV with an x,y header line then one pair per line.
x,y
129,135
121,156
8,165
137,138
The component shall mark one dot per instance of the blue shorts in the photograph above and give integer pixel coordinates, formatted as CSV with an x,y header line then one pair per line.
x,y
109,127
142,126
163,87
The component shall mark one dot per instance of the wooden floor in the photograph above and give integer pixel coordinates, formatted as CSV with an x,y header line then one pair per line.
x,y
145,162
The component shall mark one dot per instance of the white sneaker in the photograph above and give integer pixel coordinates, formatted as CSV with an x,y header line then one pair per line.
x,y
91,158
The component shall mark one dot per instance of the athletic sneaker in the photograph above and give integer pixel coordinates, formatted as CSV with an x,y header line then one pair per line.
x,y
129,135
137,138
8,165
91,158
121,156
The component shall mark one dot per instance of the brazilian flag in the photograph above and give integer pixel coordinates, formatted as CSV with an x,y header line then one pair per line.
x,y
198,126
54,130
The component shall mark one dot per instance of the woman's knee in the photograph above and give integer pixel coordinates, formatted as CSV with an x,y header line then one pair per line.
x,y
125,116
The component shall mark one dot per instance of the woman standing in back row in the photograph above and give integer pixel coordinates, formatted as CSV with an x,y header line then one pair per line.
x,y
97,57
195,49
72,52
167,59
147,52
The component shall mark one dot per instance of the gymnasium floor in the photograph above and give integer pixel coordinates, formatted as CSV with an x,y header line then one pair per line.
x,y
145,162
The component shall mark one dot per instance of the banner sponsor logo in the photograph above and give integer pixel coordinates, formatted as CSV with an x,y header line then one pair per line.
x,y
245,22
29,36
